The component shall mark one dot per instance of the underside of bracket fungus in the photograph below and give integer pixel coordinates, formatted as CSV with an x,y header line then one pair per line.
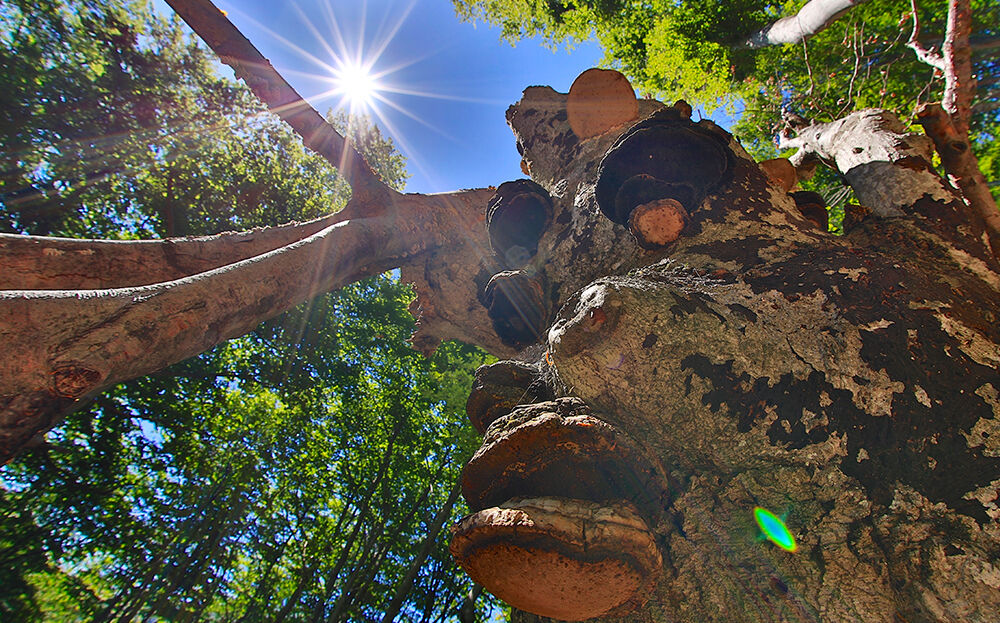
x,y
813,207
515,303
563,505
516,217
658,172
566,559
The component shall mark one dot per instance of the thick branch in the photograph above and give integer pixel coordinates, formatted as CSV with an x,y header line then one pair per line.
x,y
955,61
891,173
962,166
63,345
235,50
45,263
815,16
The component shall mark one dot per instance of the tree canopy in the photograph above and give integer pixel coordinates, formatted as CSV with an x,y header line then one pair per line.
x,y
301,472
698,51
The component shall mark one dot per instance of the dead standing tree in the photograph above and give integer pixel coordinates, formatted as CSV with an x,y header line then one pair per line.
x,y
690,346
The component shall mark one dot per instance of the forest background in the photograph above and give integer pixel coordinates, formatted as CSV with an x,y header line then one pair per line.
x,y
308,470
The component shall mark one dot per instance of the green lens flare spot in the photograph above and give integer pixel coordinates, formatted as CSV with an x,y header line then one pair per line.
x,y
774,529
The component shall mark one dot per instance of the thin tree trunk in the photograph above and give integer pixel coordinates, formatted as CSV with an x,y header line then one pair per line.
x,y
433,530
358,524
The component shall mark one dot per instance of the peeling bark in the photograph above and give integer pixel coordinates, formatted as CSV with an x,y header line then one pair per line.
x,y
811,19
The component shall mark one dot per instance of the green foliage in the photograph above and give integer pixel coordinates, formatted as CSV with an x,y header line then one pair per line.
x,y
116,125
694,50
291,473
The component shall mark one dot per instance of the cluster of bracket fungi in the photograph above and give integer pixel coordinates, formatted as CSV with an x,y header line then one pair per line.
x,y
563,502
516,218
565,505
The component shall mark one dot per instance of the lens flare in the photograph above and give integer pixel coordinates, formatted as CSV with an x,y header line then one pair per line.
x,y
774,529
357,83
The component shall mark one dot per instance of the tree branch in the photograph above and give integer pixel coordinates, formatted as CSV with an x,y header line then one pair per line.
x,y
977,44
64,345
961,165
270,87
811,19
959,85
46,263
924,55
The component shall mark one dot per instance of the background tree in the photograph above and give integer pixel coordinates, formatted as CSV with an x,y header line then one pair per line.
x,y
301,472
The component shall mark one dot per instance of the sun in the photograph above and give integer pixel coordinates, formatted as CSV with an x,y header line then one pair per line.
x,y
357,84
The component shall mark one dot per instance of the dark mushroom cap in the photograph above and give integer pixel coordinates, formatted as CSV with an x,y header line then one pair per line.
x,y
663,156
516,218
567,559
813,207
515,303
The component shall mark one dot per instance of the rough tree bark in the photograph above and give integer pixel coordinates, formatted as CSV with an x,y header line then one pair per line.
x,y
692,346
850,384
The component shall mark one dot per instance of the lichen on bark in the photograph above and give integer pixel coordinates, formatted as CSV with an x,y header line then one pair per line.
x,y
848,383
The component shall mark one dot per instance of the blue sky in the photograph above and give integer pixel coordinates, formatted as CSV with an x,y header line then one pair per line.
x,y
454,133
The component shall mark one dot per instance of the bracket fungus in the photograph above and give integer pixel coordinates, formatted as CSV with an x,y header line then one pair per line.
x,y
563,506
499,387
558,448
600,100
781,172
657,223
516,218
666,156
567,559
813,207
515,303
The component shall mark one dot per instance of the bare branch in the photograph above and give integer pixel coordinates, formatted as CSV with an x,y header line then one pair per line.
x,y
811,19
924,55
45,263
979,44
989,102
270,87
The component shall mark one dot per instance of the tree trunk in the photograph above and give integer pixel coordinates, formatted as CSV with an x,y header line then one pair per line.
x,y
713,353
850,384
406,583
